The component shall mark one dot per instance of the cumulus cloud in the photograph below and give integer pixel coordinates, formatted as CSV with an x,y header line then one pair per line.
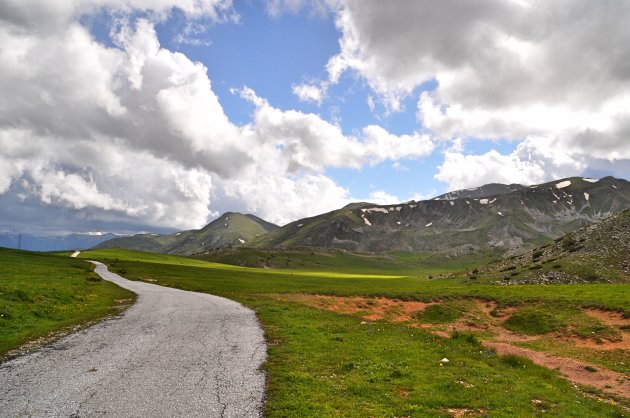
x,y
516,70
381,197
135,134
310,92
535,160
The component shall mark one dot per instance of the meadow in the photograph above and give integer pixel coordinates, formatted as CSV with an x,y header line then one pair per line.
x,y
324,363
45,295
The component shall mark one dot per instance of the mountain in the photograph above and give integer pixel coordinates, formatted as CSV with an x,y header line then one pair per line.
x,y
229,230
492,189
511,218
53,242
596,253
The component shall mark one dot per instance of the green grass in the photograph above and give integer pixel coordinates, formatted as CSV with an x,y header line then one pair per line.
x,y
43,293
439,314
322,364
548,317
325,364
533,321
114,255
231,281
316,260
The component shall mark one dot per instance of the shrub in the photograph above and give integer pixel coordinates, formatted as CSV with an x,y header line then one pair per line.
x,y
514,361
567,242
533,321
465,336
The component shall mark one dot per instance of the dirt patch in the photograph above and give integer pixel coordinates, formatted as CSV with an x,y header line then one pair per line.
x,y
465,412
600,344
491,309
486,317
576,371
609,317
370,309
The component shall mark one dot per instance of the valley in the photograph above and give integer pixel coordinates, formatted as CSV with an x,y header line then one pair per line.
x,y
386,342
476,329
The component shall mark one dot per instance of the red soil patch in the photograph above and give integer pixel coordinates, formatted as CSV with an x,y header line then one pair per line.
x,y
373,309
600,344
574,370
488,307
608,317
370,309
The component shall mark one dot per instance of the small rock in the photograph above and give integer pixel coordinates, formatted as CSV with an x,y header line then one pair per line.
x,y
444,360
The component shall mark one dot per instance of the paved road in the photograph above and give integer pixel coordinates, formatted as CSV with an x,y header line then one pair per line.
x,y
174,353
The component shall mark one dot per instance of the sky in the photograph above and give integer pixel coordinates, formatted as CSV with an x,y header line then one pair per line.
x,y
137,115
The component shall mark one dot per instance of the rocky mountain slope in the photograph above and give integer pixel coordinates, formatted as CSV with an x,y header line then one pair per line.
x,y
596,253
510,218
230,229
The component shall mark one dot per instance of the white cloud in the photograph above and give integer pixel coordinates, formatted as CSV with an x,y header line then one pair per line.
x,y
382,145
310,92
554,72
318,8
381,197
134,134
535,160
400,167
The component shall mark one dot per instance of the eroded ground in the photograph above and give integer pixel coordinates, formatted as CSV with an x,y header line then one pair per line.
x,y
590,347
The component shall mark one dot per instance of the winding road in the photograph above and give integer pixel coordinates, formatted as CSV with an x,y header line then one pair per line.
x,y
174,353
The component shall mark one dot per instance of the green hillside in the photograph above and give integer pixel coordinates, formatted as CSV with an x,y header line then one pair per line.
x,y
229,230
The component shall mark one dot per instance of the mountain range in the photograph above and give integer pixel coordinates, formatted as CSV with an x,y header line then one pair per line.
x,y
229,230
504,217
507,218
53,242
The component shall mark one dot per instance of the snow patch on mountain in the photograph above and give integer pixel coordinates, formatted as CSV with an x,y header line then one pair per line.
x,y
370,210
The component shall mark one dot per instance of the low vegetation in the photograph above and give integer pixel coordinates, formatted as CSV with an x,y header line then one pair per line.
x,y
41,294
324,363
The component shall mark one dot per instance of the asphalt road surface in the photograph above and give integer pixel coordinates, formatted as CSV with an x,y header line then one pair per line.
x,y
172,354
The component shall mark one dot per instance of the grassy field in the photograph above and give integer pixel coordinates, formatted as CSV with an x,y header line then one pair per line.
x,y
43,293
326,364
314,260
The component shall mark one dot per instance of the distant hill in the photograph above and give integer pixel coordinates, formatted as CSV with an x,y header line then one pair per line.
x,y
596,253
510,218
53,242
229,230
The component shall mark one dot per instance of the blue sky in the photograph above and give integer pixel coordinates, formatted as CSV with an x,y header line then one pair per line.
x,y
107,122
271,53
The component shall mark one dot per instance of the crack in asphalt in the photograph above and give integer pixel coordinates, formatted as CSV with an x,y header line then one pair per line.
x,y
174,353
